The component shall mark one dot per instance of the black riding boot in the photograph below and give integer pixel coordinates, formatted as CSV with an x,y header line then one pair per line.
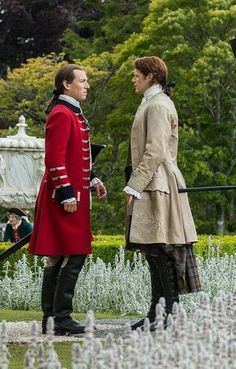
x,y
157,292
169,307
62,306
50,276
167,271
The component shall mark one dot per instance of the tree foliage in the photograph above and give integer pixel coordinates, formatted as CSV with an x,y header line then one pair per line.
x,y
76,27
192,37
115,22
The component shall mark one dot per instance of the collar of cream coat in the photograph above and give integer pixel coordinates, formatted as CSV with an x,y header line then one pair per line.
x,y
151,91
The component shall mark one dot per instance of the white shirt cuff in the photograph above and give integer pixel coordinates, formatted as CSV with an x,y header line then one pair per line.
x,y
131,191
95,181
68,200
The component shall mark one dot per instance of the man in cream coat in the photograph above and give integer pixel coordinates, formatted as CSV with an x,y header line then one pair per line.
x,y
159,220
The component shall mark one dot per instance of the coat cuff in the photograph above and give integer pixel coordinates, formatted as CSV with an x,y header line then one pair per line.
x,y
64,193
138,182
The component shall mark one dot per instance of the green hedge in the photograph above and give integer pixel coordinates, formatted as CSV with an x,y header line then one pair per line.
x,y
106,247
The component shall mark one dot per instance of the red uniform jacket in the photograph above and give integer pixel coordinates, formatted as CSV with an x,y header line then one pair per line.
x,y
67,160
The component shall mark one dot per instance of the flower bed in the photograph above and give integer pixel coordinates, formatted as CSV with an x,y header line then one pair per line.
x,y
203,338
122,287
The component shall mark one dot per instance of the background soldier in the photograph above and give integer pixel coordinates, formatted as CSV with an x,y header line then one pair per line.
x,y
17,226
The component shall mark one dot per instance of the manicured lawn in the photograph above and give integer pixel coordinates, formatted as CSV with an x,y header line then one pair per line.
x,y
17,353
22,315
63,349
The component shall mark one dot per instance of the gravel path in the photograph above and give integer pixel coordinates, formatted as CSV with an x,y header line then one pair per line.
x,y
20,332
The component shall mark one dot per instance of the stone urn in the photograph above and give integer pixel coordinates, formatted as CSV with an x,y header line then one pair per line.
x,y
21,168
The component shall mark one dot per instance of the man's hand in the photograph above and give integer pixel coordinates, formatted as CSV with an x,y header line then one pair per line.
x,y
128,198
71,207
100,190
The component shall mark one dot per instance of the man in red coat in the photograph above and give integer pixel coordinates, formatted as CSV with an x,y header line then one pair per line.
x,y
62,221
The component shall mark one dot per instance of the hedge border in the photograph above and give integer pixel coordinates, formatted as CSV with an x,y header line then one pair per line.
x,y
106,248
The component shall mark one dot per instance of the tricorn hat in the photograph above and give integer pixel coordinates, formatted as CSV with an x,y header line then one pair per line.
x,y
233,46
16,211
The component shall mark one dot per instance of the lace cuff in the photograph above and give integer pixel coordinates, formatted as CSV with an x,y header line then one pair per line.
x,y
131,191
72,199
94,181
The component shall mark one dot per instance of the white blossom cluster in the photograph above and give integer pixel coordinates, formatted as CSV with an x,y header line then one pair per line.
x,y
203,339
122,288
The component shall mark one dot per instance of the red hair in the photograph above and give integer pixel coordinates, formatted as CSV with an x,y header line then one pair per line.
x,y
152,65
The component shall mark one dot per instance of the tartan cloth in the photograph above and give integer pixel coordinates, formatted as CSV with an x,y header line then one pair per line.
x,y
185,263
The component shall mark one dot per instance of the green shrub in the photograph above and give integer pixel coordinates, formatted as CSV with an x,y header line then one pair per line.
x,y
215,245
106,247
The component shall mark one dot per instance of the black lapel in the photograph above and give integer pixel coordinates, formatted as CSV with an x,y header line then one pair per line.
x,y
72,107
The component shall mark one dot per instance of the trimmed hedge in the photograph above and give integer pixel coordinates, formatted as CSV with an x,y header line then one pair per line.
x,y
106,247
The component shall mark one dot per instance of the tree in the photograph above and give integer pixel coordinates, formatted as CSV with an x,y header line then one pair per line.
x,y
34,28
29,29
76,27
28,90
181,32
213,114
113,22
192,37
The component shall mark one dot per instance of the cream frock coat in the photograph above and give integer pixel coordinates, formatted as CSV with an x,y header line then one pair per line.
x,y
162,215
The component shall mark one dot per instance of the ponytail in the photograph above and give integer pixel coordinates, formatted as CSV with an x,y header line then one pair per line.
x,y
52,102
167,87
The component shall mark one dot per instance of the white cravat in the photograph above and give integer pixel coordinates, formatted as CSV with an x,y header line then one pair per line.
x,y
151,91
70,99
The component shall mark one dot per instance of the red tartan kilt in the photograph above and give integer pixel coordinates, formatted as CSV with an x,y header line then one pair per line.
x,y
57,232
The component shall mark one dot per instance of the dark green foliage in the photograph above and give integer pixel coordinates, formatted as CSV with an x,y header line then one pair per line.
x,y
77,27
192,37
111,24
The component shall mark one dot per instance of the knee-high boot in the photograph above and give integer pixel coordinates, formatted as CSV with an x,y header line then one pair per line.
x,y
167,271
50,276
156,291
64,293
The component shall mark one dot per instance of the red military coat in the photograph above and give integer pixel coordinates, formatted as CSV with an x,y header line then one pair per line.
x,y
67,160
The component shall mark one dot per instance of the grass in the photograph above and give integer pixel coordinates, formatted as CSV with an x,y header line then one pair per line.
x,y
29,315
17,353
63,349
